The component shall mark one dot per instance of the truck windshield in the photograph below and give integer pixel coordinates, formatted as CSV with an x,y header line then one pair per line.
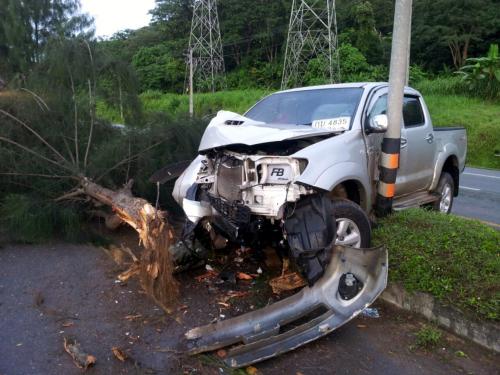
x,y
304,107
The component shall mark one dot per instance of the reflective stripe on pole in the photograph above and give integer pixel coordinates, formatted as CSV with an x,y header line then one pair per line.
x,y
389,158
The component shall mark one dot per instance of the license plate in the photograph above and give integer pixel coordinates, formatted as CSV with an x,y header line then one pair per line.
x,y
333,124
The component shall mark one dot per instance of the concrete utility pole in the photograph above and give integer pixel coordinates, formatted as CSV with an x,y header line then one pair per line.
x,y
312,33
389,158
205,43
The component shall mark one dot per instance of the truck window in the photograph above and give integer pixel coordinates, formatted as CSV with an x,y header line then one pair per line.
x,y
412,112
305,106
380,107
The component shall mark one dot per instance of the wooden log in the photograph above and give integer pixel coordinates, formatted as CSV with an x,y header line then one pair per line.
x,y
156,264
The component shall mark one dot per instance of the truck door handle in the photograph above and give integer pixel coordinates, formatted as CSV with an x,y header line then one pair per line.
x,y
430,138
404,142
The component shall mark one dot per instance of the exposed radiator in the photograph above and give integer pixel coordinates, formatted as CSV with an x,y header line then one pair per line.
x,y
229,178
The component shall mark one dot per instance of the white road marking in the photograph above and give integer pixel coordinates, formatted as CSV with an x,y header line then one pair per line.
x,y
469,188
481,175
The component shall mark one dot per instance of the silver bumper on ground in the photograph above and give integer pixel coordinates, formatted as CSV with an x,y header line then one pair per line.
x,y
261,332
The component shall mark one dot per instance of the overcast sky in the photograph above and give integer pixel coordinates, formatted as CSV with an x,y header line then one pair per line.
x,y
114,15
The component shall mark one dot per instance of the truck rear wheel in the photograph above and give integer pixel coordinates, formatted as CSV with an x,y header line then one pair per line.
x,y
353,225
445,188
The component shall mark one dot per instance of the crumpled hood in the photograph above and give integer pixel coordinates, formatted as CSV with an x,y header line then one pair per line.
x,y
229,128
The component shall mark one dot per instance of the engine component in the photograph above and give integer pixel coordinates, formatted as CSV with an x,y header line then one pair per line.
x,y
311,230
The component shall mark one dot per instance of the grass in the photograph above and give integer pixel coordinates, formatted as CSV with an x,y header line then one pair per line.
x,y
457,260
428,337
204,104
481,119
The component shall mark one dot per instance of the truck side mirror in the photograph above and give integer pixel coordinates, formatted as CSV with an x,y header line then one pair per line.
x,y
378,124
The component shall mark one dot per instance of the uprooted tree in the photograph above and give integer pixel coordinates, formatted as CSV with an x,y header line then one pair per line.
x,y
53,145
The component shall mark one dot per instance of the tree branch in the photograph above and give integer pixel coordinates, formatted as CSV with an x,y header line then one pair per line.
x,y
75,124
37,175
29,150
89,141
35,133
41,103
129,159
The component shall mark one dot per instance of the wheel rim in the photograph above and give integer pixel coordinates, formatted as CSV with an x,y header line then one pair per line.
x,y
446,196
348,233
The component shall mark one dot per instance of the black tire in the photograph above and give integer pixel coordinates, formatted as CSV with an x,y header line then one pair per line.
x,y
345,209
446,189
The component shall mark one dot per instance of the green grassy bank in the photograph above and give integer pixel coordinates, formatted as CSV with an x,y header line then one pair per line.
x,y
457,260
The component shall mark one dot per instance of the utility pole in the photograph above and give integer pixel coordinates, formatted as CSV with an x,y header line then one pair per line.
x,y
191,94
312,33
389,157
205,45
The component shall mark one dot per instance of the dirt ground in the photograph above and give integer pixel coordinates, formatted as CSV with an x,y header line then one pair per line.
x,y
55,291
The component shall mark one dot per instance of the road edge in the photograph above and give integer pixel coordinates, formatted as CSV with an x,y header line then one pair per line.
x,y
485,334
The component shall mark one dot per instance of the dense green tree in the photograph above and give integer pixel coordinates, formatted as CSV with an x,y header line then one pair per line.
x,y
28,25
445,31
158,70
173,17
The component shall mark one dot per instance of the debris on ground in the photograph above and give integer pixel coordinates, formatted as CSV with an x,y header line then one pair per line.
x,y
209,275
119,353
287,282
221,353
133,317
39,300
244,276
250,370
132,271
228,276
371,312
234,294
80,358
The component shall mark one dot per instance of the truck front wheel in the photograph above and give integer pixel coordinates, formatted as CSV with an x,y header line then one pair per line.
x,y
445,189
353,225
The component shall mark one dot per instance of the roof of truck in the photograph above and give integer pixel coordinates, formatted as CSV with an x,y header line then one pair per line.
x,y
338,86
366,85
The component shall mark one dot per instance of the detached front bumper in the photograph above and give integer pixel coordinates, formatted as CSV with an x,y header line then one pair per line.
x,y
261,333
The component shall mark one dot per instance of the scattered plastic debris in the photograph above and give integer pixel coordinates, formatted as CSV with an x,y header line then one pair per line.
x,y
371,312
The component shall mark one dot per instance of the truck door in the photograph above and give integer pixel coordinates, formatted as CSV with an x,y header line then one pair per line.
x,y
417,149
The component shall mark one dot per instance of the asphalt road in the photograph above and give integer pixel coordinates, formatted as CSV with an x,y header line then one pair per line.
x,y
479,196
51,292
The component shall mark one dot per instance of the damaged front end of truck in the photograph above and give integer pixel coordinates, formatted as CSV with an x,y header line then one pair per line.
x,y
244,188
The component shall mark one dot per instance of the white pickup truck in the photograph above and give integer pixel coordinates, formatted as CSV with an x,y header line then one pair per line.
x,y
299,157
299,172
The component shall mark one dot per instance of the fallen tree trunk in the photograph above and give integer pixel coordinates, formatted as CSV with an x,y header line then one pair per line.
x,y
156,265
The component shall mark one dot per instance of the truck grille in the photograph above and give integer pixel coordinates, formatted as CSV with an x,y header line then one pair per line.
x,y
234,212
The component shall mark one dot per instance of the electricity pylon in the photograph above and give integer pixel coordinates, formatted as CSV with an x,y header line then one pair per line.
x,y
312,34
205,44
